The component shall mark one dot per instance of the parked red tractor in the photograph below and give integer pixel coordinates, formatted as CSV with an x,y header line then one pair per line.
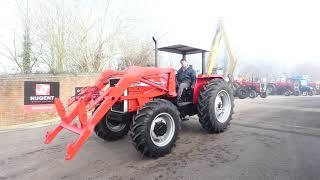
x,y
284,88
296,85
142,101
250,89
315,86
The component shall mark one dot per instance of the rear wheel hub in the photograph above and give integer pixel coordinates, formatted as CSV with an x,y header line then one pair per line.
x,y
160,128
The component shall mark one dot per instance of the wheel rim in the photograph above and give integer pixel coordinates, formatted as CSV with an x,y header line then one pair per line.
x,y
115,127
162,129
222,106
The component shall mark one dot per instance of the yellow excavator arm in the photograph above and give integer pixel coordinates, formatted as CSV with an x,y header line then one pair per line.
x,y
220,32
214,50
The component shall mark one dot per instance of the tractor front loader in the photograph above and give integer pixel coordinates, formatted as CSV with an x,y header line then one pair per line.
x,y
160,81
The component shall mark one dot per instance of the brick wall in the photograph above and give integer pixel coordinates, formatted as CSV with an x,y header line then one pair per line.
x,y
12,95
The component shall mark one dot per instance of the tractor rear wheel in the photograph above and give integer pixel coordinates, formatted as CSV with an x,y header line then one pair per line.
x,y
242,92
111,130
252,94
215,106
155,128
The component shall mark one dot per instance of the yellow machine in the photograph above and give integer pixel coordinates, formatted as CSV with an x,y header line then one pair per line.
x,y
220,32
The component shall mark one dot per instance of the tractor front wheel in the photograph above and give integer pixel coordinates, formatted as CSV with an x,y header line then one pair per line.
x,y
252,94
111,130
215,106
155,128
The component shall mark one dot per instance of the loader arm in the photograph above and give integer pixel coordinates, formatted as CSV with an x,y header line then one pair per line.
x,y
214,50
95,97
220,32
233,60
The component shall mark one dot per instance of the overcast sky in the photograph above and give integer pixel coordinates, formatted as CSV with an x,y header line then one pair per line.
x,y
274,31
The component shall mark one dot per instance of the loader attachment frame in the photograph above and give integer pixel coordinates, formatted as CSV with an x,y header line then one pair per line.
x,y
101,98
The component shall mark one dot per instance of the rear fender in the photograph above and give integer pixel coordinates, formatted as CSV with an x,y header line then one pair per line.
x,y
202,80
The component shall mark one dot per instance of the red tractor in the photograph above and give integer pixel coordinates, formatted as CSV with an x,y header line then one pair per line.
x,y
295,85
315,86
142,101
250,89
284,88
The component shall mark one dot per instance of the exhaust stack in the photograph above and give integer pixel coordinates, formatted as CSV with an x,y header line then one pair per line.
x,y
156,63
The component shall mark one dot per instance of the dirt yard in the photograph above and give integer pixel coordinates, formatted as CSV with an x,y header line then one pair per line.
x,y
272,138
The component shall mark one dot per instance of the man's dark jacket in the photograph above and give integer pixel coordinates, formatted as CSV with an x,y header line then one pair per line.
x,y
188,75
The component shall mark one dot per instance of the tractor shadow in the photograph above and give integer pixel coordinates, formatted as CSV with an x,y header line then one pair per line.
x,y
192,126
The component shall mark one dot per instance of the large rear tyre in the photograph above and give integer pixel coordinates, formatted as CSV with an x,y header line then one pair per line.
x,y
215,106
155,128
111,130
252,94
242,92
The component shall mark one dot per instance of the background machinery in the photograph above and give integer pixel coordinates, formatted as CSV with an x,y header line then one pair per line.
x,y
250,89
295,85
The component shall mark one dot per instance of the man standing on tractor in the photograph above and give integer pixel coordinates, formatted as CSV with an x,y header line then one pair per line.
x,y
186,77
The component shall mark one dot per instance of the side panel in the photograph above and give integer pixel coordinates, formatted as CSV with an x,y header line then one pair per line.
x,y
202,80
143,93
133,104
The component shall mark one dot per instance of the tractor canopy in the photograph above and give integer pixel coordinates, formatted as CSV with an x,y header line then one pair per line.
x,y
186,50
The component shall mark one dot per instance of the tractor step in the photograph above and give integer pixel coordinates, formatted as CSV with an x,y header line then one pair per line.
x,y
183,103
185,119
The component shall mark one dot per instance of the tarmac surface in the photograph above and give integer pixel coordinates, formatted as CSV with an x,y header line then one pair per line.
x,y
272,138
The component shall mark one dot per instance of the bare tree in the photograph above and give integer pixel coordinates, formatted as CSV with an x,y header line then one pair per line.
x,y
26,54
258,70
24,58
11,53
135,52
65,39
73,42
